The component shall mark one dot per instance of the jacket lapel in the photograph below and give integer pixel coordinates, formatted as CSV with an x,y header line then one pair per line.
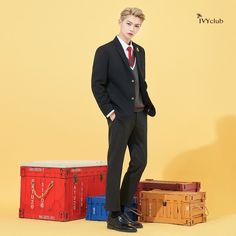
x,y
121,52
138,58
125,59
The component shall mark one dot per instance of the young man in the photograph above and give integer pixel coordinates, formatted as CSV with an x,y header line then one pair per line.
x,y
119,87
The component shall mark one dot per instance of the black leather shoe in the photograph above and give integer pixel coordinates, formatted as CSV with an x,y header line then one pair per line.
x,y
135,224
119,223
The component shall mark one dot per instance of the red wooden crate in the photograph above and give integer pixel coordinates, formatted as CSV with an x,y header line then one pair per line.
x,y
57,190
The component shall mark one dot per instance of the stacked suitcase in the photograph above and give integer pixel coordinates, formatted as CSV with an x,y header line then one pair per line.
x,y
171,202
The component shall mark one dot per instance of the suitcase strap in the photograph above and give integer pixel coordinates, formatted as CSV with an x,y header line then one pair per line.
x,y
135,211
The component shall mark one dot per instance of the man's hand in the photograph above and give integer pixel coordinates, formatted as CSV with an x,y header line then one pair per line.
x,y
112,116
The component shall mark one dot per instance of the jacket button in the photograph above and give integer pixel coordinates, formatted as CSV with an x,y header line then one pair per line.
x,y
132,98
132,81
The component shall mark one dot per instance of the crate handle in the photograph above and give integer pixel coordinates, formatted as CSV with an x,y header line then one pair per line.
x,y
206,211
43,194
205,208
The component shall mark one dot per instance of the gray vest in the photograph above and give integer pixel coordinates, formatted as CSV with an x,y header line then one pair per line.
x,y
138,102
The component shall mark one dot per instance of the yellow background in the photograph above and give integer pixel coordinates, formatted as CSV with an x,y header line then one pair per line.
x,y
48,112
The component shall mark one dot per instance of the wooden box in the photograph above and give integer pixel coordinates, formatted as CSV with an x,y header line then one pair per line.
x,y
175,207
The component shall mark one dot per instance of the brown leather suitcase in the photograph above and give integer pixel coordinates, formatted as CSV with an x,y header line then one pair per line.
x,y
150,184
175,207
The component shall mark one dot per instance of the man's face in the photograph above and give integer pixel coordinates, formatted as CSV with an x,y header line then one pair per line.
x,y
130,26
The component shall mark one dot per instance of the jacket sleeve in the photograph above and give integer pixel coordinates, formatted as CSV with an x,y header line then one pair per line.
x,y
99,81
144,69
150,109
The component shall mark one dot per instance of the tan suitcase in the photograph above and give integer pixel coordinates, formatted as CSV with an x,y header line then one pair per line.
x,y
175,207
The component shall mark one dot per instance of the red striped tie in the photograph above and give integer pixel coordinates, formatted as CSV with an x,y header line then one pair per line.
x,y
130,57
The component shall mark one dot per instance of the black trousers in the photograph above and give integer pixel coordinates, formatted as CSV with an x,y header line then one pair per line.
x,y
131,132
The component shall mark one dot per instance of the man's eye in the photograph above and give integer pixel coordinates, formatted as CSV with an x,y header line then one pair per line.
x,y
128,24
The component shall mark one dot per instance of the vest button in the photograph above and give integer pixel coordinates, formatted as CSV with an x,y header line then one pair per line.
x,y
132,81
132,98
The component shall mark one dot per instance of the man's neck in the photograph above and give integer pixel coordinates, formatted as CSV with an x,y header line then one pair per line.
x,y
124,39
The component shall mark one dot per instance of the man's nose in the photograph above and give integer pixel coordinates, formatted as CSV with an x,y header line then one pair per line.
x,y
131,28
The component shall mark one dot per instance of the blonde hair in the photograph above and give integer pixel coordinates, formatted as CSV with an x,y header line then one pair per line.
x,y
132,11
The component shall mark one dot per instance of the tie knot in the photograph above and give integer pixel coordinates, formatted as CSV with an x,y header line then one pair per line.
x,y
129,48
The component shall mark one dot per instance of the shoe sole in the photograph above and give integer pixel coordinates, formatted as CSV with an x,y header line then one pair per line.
x,y
138,227
114,228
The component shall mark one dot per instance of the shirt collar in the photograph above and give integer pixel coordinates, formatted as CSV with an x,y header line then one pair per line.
x,y
124,44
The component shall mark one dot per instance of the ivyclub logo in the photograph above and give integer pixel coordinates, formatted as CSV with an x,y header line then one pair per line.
x,y
205,20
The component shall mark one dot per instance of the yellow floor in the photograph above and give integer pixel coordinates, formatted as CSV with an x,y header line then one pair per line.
x,y
11,225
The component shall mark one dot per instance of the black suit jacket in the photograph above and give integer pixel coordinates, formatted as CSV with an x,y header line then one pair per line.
x,y
111,80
